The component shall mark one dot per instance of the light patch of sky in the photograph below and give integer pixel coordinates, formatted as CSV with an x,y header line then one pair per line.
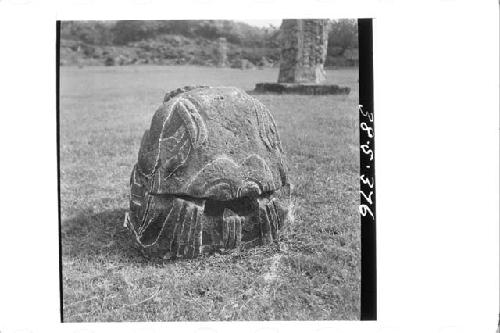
x,y
263,23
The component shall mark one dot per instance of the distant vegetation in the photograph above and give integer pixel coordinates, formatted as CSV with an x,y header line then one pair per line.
x,y
181,42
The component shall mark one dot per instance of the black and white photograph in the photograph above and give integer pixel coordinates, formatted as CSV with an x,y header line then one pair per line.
x,y
210,170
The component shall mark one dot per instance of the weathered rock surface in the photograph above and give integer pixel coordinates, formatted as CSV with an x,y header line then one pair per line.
x,y
222,52
303,51
300,89
210,174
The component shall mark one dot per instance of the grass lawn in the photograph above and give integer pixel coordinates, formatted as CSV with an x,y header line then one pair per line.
x,y
316,274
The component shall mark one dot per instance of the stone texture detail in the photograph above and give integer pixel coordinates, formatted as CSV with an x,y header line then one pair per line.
x,y
222,52
300,89
210,175
303,51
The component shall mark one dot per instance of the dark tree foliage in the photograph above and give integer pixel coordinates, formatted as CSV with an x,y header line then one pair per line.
x,y
131,31
343,34
194,40
123,32
89,32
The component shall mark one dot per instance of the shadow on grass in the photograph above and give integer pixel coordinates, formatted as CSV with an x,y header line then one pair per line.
x,y
99,236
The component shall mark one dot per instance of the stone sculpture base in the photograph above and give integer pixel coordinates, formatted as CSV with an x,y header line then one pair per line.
x,y
300,89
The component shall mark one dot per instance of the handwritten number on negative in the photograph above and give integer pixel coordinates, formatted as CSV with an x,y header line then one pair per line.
x,y
366,149
366,181
366,114
364,209
367,198
368,129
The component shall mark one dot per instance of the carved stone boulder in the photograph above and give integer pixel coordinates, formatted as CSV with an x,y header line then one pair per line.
x,y
210,175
